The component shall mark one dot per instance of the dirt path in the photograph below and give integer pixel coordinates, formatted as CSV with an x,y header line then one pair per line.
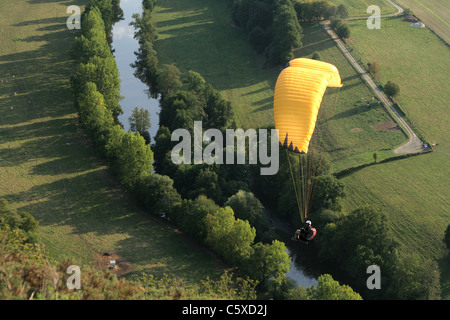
x,y
399,11
413,145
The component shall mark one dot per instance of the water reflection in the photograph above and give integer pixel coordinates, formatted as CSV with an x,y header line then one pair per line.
x,y
132,89
298,274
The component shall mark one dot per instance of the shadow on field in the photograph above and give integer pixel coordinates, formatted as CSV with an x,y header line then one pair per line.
x,y
98,211
314,40
204,40
68,3
41,21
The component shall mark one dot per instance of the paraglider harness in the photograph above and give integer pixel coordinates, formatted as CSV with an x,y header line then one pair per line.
x,y
305,234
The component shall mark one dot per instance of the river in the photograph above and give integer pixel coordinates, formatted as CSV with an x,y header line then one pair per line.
x,y
132,89
134,93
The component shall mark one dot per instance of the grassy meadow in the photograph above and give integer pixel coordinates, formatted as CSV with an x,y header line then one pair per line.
x,y
414,191
358,8
48,167
417,61
433,13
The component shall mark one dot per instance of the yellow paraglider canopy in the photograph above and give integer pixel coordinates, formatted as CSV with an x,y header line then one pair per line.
x,y
298,95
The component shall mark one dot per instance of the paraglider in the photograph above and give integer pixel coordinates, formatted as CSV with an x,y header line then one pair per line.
x,y
306,233
298,95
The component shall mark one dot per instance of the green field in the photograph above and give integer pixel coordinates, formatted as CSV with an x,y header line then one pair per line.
x,y
193,36
417,61
434,13
414,191
358,8
48,167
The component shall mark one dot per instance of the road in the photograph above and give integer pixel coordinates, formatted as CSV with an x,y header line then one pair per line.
x,y
413,145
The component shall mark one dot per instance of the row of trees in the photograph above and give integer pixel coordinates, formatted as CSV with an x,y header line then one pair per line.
x,y
272,27
96,87
319,10
340,28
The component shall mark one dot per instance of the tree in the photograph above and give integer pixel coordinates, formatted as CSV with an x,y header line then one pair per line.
x,y
131,158
195,81
342,12
16,219
259,39
218,111
168,80
330,12
357,240
232,238
342,30
268,262
93,38
447,237
157,194
316,56
287,34
181,109
206,182
93,113
247,207
335,22
408,12
146,64
328,191
140,122
110,13
105,74
374,68
414,279
329,289
391,89
162,152
190,215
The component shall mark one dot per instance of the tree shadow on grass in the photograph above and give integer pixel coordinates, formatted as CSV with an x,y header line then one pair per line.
x,y
104,215
56,138
51,20
67,3
210,46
